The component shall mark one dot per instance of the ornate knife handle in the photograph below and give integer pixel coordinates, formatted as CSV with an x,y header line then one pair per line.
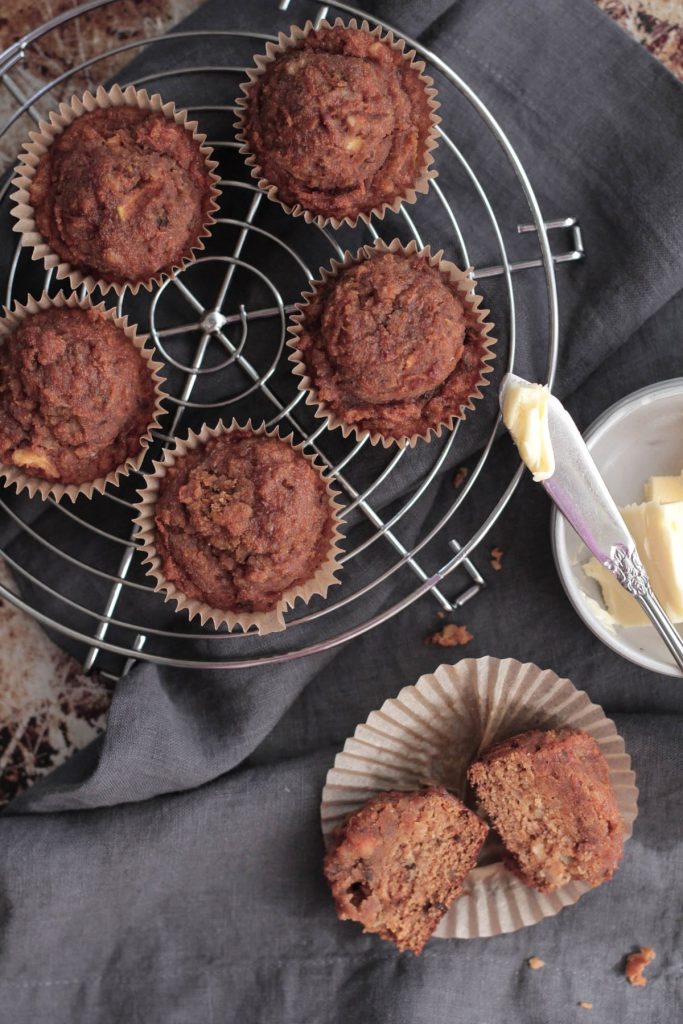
x,y
628,569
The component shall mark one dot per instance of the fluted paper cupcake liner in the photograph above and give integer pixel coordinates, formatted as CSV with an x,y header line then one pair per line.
x,y
454,276
9,322
262,622
431,732
39,143
293,40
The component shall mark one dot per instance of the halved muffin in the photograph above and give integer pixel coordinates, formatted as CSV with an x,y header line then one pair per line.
x,y
549,796
398,863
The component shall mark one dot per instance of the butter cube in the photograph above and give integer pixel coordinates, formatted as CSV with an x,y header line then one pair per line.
x,y
658,532
664,489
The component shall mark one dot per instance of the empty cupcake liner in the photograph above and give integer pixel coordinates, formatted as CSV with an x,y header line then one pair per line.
x,y
465,286
431,732
40,142
9,322
293,40
261,622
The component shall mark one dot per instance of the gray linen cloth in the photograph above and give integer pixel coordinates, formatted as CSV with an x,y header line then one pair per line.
x,y
171,872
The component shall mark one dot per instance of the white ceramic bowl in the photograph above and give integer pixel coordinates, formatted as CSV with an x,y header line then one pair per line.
x,y
639,437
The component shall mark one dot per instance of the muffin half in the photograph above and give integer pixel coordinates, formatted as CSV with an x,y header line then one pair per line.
x,y
398,863
549,796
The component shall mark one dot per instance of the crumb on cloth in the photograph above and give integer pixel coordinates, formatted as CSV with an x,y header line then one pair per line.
x,y
636,964
460,476
450,636
497,559
586,1006
535,963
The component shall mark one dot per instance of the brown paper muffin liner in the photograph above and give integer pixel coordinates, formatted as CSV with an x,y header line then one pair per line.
x,y
41,140
287,42
53,489
261,622
452,274
431,732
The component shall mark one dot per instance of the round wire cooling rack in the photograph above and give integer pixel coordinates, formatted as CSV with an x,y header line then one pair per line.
x,y
220,327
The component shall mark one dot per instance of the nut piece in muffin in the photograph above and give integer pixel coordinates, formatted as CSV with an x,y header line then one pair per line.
x,y
339,123
390,346
549,796
76,396
397,864
240,520
122,194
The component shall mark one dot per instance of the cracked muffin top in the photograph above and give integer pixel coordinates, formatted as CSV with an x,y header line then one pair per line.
x,y
390,346
122,194
76,396
339,123
240,520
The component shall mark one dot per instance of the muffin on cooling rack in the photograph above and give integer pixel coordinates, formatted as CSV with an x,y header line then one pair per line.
x,y
116,190
237,524
339,122
549,796
392,343
79,396
397,864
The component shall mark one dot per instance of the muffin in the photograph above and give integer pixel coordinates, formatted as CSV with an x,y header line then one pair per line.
x,y
339,122
121,193
549,796
393,344
237,523
116,190
77,397
398,863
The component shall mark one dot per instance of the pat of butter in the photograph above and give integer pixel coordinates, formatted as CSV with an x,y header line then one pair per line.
x,y
658,532
525,414
664,489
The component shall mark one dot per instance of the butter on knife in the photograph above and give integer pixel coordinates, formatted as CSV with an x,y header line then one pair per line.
x,y
525,414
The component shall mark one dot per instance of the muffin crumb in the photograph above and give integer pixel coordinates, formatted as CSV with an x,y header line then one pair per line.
x,y
450,636
497,559
535,963
460,476
636,964
586,1006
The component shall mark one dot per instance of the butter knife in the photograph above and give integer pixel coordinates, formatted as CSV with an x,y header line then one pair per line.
x,y
581,495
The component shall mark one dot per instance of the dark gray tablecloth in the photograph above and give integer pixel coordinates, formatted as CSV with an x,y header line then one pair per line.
x,y
171,872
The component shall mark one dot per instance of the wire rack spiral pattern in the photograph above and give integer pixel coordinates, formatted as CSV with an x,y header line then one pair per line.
x,y
209,338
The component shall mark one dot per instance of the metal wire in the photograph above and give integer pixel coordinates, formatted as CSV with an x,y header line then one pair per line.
x,y
241,377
